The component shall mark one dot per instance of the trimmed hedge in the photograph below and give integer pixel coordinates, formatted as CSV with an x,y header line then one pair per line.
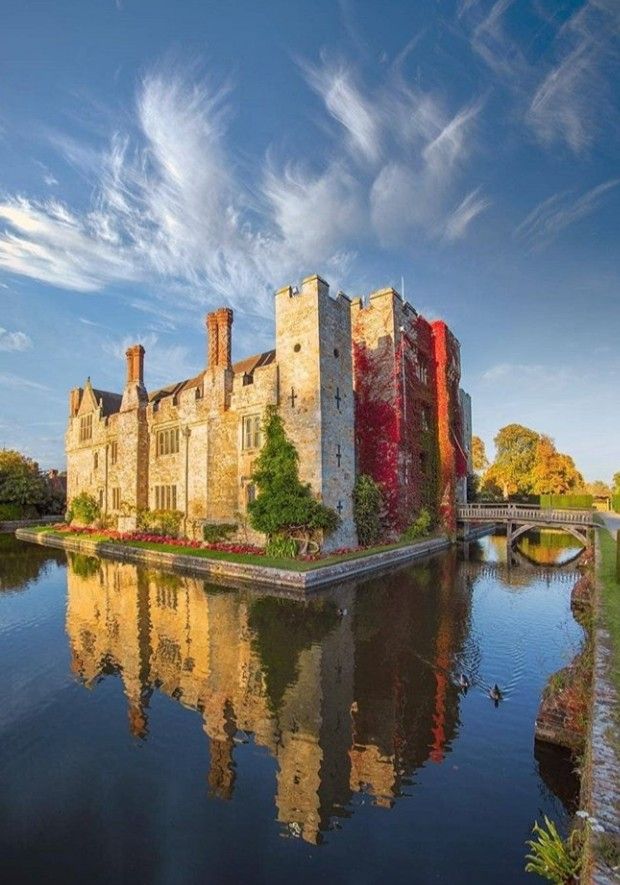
x,y
615,503
567,502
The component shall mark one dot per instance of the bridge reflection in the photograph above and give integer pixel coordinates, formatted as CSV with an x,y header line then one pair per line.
x,y
345,704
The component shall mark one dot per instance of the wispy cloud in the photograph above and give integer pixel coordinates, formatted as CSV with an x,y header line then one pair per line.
x,y
10,381
170,208
574,94
458,222
14,340
545,374
558,212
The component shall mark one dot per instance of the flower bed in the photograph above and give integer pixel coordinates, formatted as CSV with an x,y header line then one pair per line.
x,y
151,538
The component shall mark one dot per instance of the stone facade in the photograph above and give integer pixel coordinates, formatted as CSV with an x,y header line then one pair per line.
x,y
191,446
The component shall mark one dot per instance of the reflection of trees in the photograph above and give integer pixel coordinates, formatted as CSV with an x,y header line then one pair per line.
x,y
282,629
343,703
21,563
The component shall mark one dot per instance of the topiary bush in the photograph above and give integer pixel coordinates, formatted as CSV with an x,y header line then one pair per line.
x,y
84,509
367,510
419,528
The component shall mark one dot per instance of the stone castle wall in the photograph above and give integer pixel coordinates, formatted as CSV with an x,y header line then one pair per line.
x,y
347,382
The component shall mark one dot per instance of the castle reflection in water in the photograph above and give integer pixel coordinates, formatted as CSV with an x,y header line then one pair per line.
x,y
344,703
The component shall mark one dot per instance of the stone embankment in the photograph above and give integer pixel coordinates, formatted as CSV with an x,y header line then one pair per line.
x,y
14,524
235,572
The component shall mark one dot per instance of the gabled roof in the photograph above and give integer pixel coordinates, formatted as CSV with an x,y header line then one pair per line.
x,y
110,402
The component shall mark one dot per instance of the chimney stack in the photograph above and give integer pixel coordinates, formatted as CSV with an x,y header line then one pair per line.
x,y
75,397
219,331
135,364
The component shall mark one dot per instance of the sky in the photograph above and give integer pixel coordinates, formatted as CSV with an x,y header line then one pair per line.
x,y
161,159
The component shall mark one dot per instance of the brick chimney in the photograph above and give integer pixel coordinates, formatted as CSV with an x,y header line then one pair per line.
x,y
75,397
219,332
135,364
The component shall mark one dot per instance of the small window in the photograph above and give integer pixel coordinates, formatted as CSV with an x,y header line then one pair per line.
x,y
101,499
86,428
116,498
113,452
251,432
167,441
336,352
165,497
250,493
422,370
426,418
95,460
297,348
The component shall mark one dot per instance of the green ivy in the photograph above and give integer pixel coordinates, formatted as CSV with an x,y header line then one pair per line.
x,y
368,506
419,528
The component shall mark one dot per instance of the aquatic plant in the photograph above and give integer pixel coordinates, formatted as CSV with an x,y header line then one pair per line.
x,y
555,859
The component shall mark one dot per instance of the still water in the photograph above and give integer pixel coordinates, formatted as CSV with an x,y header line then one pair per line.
x,y
158,729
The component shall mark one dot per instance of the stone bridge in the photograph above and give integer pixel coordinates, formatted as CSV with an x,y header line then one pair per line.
x,y
521,518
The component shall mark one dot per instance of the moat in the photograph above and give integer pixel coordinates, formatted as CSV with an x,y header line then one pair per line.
x,y
157,729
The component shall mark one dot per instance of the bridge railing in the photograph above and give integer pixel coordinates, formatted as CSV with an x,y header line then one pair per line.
x,y
523,513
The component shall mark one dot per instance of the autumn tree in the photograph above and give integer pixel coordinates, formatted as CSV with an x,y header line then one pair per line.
x,y
478,454
553,473
599,488
511,472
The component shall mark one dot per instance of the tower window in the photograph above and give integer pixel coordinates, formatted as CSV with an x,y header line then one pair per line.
x,y
86,428
168,441
251,432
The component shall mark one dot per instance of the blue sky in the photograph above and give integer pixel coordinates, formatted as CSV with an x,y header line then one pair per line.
x,y
159,159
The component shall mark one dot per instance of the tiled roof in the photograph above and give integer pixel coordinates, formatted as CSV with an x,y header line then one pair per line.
x,y
174,389
110,402
243,367
247,366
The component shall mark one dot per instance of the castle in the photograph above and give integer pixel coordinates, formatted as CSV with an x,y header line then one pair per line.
x,y
362,388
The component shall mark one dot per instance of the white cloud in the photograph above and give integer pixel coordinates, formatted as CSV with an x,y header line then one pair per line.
x,y
464,214
9,380
347,105
556,375
170,210
558,212
14,340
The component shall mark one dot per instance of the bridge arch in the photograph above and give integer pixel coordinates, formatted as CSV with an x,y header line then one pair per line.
x,y
580,534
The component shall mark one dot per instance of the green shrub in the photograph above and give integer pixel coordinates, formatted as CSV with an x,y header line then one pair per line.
x,y
281,546
567,502
552,857
615,503
419,528
213,532
160,522
9,512
367,510
84,509
284,505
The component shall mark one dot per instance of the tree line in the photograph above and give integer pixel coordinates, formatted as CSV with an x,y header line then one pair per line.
x,y
528,463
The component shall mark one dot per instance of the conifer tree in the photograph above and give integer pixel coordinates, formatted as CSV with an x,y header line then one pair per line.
x,y
284,506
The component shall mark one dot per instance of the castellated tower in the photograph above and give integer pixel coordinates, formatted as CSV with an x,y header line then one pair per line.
x,y
313,352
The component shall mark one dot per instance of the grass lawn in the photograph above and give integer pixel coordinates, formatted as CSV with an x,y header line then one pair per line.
x,y
243,558
611,599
